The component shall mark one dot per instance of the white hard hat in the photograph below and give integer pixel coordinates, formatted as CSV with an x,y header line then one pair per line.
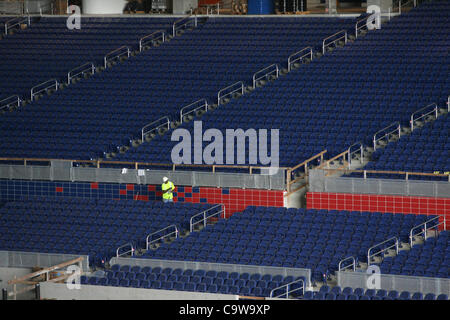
x,y
165,179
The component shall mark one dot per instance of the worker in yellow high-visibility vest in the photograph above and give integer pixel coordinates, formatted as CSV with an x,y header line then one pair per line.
x,y
167,188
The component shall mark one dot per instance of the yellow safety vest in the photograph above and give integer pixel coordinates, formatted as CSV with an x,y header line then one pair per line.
x,y
164,187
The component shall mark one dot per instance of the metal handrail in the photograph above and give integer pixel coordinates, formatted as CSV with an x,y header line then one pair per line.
x,y
144,133
446,174
7,26
8,105
435,111
291,62
136,165
148,243
204,105
127,52
335,40
287,289
397,128
351,153
177,26
205,218
265,74
360,27
396,245
346,267
424,230
241,88
81,70
129,244
162,36
54,84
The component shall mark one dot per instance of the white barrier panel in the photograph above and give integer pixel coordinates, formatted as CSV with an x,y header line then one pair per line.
x,y
103,6
60,291
394,282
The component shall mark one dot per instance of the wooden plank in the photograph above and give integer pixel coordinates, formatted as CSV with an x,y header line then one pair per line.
x,y
50,269
309,160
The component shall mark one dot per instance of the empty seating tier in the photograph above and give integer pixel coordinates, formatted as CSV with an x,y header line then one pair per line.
x,y
425,150
342,98
298,238
110,108
88,227
211,281
49,49
430,259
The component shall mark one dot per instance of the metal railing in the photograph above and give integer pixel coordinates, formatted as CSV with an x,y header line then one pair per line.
x,y
326,44
205,217
265,73
350,153
407,174
304,164
183,22
124,50
288,287
10,102
423,114
44,86
16,22
425,228
160,34
152,126
130,251
385,248
136,165
197,105
390,282
359,26
237,88
297,57
353,264
149,240
386,134
81,70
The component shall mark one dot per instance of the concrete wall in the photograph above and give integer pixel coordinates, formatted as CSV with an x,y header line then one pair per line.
x,y
181,6
103,6
88,292
7,274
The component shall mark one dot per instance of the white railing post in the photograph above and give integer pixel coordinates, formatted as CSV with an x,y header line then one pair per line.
x,y
325,45
287,289
6,103
204,104
424,230
386,134
240,88
129,244
35,90
340,268
291,61
111,56
152,37
205,217
266,74
81,70
149,241
413,118
152,126
396,245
